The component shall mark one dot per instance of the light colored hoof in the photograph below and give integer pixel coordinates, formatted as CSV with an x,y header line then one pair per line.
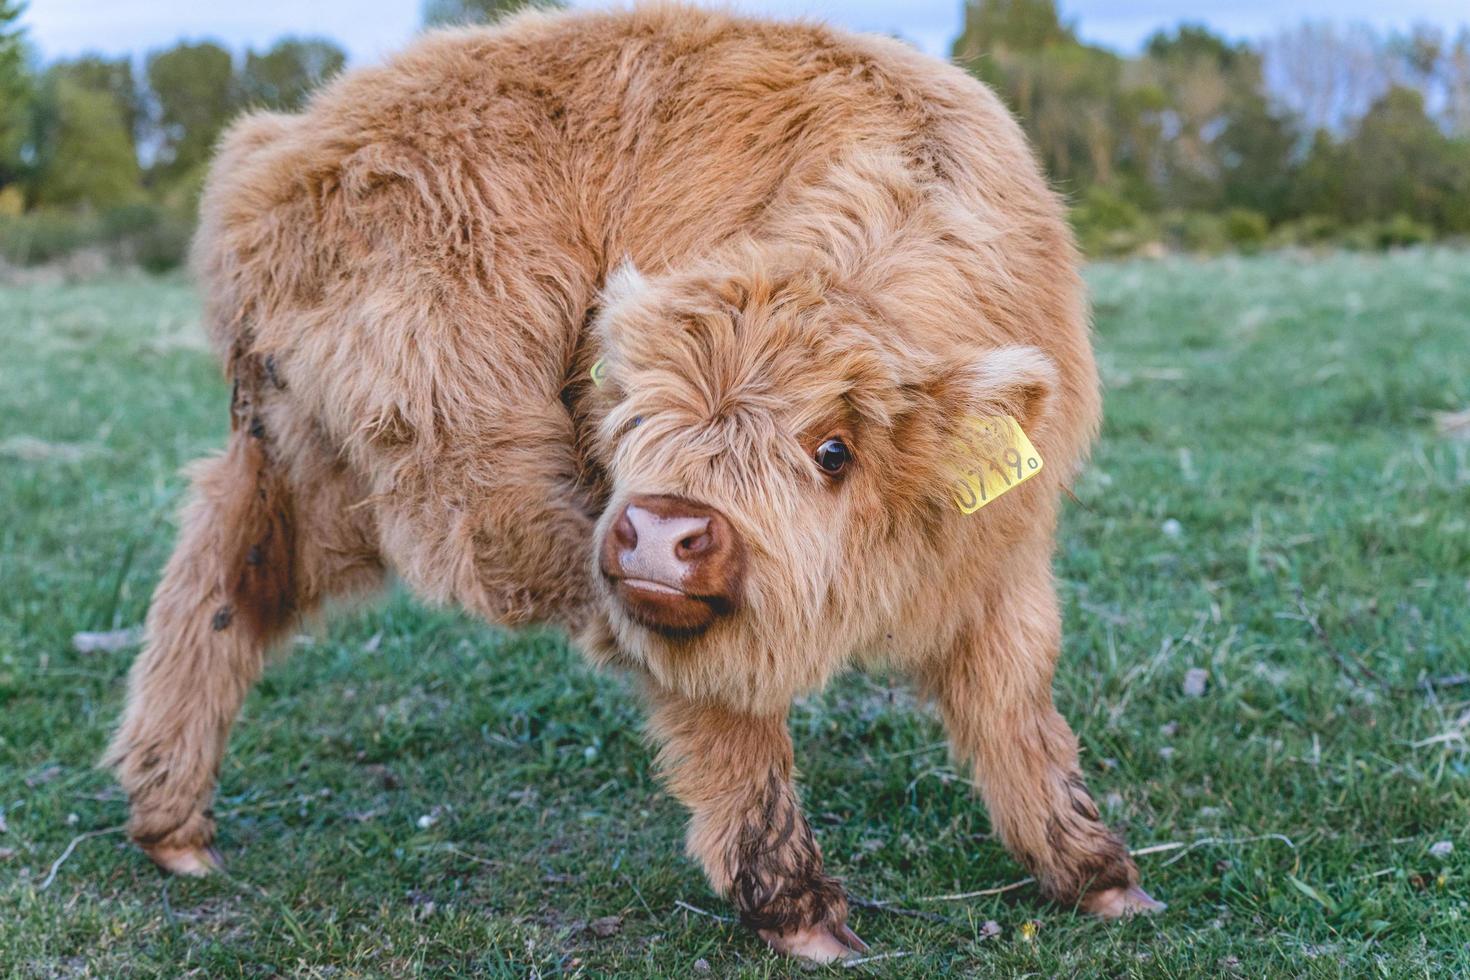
x,y
1118,903
820,944
196,862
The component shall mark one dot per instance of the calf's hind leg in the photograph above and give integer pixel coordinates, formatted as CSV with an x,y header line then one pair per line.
x,y
257,548
994,691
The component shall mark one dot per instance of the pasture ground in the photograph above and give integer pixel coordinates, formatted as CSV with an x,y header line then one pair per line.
x,y
1275,501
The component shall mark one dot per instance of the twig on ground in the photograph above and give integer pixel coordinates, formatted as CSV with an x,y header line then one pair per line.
x,y
1180,846
56,865
300,799
1440,739
863,960
982,893
876,906
932,747
451,849
943,776
1348,666
699,911
1207,841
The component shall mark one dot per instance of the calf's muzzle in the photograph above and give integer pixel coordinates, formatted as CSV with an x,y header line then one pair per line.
x,y
676,565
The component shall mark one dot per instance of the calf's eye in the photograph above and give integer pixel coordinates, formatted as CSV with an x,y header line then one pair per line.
x,y
833,456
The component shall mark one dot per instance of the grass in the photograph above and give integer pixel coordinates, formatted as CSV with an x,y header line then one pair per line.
x,y
414,794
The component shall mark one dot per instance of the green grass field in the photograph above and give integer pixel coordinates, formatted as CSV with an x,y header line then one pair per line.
x,y
1274,501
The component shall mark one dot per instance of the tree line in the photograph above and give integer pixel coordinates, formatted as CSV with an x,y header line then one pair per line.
x,y
112,152
1320,134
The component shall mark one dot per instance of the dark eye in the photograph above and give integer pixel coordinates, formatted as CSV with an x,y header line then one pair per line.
x,y
833,456
637,421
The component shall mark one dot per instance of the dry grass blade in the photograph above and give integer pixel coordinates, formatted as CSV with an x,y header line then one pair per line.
x,y
1207,841
864,960
1181,846
1455,425
982,893
699,911
876,906
56,865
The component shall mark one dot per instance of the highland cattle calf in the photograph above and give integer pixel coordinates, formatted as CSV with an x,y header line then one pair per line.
x,y
747,351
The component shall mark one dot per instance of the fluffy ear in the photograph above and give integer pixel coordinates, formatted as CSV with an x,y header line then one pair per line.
x,y
1017,381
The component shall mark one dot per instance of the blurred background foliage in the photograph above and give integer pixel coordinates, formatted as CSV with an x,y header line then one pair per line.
x,y
1321,136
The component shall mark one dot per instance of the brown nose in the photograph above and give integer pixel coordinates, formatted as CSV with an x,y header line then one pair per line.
x,y
675,564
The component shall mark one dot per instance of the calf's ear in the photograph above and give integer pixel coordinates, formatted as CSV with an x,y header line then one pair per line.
x,y
1019,381
624,283
623,290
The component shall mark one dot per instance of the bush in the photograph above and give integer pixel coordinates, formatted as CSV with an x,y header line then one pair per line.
x,y
164,244
1195,231
45,235
153,236
128,219
1107,224
1245,230
1314,230
1400,231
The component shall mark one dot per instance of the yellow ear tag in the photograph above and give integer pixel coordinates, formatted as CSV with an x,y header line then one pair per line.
x,y
998,458
598,372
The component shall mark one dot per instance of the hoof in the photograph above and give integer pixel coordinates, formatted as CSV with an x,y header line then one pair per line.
x,y
820,943
196,862
1119,903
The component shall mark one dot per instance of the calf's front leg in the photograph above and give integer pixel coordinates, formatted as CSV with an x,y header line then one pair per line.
x,y
734,773
994,691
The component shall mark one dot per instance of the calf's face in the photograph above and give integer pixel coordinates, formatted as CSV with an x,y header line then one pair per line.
x,y
782,465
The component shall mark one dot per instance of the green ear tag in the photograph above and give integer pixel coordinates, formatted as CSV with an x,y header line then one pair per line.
x,y
598,372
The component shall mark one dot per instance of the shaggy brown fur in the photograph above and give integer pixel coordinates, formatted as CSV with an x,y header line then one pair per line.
x,y
772,235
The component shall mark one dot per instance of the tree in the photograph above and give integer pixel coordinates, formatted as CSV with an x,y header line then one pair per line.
x,y
1317,185
284,76
1399,162
1257,154
1223,143
1065,93
193,90
1325,75
1457,97
113,78
85,154
441,12
15,93
1009,25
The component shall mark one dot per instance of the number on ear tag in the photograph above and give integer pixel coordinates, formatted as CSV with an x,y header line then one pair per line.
x,y
998,457
598,372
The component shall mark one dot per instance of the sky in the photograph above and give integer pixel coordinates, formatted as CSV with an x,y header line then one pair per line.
x,y
370,29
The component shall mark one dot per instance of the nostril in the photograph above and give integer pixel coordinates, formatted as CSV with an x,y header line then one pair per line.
x,y
694,545
624,533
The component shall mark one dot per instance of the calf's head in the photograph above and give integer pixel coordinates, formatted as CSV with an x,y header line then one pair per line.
x,y
781,459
